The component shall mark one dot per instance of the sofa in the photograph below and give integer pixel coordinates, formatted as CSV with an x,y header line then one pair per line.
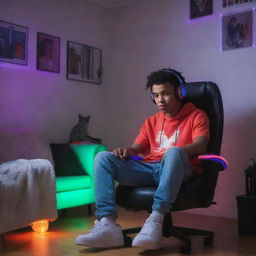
x,y
69,167
28,194
74,173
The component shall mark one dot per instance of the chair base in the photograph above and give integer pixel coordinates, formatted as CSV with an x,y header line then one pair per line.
x,y
180,233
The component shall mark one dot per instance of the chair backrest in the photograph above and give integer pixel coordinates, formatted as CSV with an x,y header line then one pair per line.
x,y
206,96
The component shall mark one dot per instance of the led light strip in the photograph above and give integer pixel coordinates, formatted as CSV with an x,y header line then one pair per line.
x,y
215,158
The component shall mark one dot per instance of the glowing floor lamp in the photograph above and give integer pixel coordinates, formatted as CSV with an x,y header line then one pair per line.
x,y
40,226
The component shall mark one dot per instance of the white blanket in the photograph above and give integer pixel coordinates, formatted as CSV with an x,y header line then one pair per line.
x,y
27,193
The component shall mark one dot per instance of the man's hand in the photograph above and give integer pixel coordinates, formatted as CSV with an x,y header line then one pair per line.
x,y
123,153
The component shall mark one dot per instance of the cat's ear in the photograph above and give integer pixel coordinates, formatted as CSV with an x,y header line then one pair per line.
x,y
84,118
80,117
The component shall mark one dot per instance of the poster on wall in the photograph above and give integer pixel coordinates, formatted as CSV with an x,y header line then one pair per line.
x,y
228,3
48,53
83,63
200,8
13,43
237,30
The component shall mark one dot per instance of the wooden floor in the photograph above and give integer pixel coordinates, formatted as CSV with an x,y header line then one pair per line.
x,y
59,241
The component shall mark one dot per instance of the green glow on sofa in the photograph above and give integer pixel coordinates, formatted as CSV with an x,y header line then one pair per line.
x,y
78,190
74,198
73,183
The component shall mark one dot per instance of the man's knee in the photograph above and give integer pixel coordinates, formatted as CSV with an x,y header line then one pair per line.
x,y
174,151
103,156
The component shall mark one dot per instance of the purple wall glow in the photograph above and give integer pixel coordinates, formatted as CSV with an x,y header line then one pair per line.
x,y
35,98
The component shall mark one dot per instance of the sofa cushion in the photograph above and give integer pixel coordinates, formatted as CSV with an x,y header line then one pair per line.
x,y
68,183
25,144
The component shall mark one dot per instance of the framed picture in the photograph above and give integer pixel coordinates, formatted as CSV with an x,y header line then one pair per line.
x,y
237,30
200,8
48,53
228,3
13,43
84,63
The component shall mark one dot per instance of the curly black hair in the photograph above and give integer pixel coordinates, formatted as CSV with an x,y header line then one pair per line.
x,y
165,75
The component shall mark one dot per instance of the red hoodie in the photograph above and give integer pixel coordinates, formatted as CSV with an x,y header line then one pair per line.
x,y
160,132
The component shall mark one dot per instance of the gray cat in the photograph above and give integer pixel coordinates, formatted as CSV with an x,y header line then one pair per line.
x,y
80,132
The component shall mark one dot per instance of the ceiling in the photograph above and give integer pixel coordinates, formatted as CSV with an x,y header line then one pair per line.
x,y
111,3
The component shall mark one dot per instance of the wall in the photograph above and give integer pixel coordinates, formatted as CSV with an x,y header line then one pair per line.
x,y
153,34
136,39
33,98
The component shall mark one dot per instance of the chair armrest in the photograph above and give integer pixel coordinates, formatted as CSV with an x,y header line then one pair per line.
x,y
220,161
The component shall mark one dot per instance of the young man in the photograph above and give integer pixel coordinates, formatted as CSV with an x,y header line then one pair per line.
x,y
170,142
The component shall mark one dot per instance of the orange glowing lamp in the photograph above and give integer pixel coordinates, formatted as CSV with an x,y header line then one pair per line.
x,y
40,226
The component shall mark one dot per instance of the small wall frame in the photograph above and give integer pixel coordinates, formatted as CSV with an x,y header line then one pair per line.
x,y
13,43
84,63
237,30
48,53
231,3
200,8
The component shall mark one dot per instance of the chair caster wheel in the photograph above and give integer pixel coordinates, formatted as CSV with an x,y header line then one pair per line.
x,y
127,241
185,249
208,241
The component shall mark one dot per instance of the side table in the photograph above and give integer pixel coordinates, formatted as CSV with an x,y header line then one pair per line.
x,y
246,206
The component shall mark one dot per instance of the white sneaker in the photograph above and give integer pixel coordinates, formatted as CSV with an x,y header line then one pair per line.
x,y
104,234
151,236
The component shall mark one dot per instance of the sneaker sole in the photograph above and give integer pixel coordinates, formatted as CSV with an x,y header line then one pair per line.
x,y
148,246
100,245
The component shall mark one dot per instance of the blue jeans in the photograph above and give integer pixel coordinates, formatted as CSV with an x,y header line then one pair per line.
x,y
167,175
